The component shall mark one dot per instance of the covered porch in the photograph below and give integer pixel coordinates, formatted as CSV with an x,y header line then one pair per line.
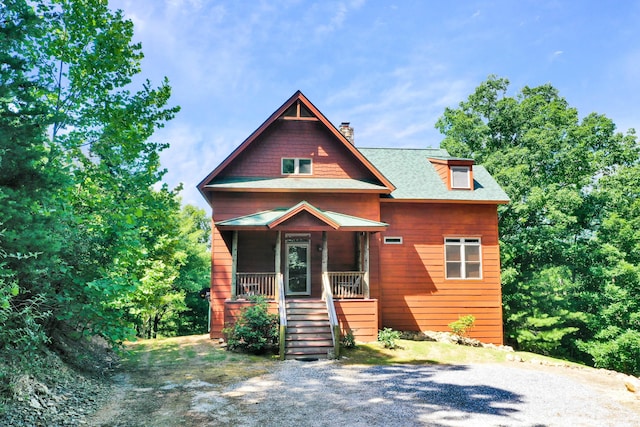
x,y
304,253
305,246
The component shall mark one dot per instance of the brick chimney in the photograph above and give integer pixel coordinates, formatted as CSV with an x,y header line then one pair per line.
x,y
347,131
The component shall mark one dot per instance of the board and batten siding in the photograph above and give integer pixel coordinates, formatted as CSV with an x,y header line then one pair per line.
x,y
413,291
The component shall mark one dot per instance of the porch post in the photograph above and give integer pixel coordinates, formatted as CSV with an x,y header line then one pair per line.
x,y
366,264
277,262
325,257
359,249
234,262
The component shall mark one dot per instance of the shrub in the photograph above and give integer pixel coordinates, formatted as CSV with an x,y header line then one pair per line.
x,y
388,338
462,325
255,331
348,340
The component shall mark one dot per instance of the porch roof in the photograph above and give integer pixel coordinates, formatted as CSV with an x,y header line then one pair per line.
x,y
273,218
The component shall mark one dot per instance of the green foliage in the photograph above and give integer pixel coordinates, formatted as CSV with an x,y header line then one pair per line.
x,y
388,338
462,326
255,331
569,239
348,340
91,241
616,349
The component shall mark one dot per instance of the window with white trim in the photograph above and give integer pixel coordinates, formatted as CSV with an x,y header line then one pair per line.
x,y
461,177
295,166
462,258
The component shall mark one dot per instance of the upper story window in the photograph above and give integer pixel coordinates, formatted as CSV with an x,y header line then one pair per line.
x,y
462,258
461,177
295,166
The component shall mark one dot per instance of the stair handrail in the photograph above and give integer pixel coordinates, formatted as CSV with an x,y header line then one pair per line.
x,y
282,311
327,296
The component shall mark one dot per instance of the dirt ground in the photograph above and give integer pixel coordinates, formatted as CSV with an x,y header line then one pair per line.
x,y
195,383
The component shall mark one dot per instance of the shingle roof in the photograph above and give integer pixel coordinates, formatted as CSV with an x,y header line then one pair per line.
x,y
273,217
305,184
415,178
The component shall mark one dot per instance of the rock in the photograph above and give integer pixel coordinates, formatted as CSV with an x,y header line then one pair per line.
x,y
514,358
35,403
632,384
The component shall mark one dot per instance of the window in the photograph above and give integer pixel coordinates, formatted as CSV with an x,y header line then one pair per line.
x,y
460,177
296,166
462,258
393,240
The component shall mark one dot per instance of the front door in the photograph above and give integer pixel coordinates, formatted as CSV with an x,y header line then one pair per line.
x,y
297,272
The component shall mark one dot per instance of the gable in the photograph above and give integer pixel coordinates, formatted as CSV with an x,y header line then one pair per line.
x,y
297,139
297,130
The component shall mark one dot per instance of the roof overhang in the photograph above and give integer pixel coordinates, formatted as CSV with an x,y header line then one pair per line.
x,y
275,219
307,185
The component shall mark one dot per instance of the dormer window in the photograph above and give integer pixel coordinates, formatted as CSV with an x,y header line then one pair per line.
x,y
296,166
461,177
456,173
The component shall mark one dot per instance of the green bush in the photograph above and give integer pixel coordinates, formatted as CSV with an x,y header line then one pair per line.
x,y
462,326
348,340
255,331
615,349
388,338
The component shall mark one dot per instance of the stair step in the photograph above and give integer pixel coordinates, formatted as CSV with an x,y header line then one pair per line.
x,y
302,323
307,310
316,319
307,329
303,346
308,337
308,350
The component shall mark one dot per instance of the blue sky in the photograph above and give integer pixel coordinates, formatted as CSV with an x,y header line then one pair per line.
x,y
388,67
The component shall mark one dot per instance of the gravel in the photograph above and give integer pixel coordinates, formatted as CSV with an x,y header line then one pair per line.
x,y
326,393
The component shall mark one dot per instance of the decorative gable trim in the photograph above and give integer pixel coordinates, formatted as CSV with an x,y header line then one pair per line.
x,y
304,207
297,102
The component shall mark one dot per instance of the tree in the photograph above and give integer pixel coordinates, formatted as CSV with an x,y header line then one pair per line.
x,y
550,162
81,216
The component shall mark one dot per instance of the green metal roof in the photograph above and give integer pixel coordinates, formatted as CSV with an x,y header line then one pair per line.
x,y
294,184
265,218
416,178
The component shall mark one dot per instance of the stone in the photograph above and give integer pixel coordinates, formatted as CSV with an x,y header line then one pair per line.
x,y
632,384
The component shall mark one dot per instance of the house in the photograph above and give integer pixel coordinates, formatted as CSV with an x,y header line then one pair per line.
x,y
357,238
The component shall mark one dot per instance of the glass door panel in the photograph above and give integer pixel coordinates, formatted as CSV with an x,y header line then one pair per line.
x,y
297,271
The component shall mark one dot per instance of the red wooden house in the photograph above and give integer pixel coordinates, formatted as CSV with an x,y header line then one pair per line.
x,y
357,238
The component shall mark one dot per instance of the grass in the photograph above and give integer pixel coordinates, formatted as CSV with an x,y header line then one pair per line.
x,y
424,352
185,355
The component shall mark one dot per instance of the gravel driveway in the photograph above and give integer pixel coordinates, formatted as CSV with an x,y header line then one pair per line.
x,y
325,393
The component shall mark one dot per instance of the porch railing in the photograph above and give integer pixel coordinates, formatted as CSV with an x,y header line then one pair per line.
x,y
347,284
248,284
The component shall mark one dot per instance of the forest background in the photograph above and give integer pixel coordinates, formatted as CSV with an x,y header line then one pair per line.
x,y
93,244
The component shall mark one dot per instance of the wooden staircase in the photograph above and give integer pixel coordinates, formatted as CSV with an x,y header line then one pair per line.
x,y
308,334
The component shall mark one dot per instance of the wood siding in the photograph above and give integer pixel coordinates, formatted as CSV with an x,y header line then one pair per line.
x,y
297,139
233,310
359,317
220,280
414,293
255,248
